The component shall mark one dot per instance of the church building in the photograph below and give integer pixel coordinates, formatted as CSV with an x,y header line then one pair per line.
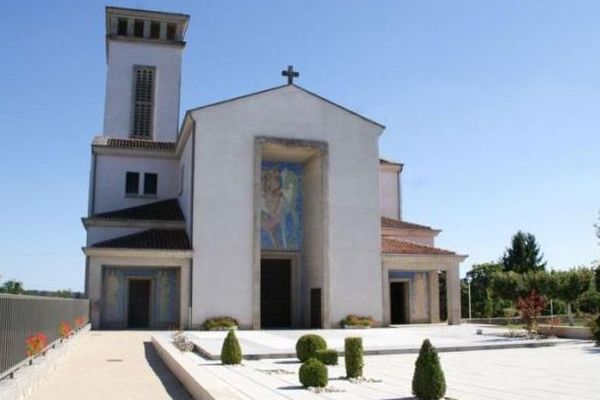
x,y
273,208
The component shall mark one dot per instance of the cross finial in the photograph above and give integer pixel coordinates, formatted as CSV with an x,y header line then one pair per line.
x,y
290,73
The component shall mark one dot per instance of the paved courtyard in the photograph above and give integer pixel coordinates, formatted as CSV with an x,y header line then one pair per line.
x,y
562,372
112,365
403,339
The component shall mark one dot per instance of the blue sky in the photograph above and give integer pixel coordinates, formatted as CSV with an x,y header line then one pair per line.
x,y
493,107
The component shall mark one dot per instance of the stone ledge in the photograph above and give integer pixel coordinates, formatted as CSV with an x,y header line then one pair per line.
x,y
199,383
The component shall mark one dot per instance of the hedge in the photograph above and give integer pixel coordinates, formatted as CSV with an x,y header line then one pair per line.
x,y
308,345
353,355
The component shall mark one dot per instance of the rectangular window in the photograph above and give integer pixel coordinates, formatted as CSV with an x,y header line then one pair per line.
x,y
143,102
122,27
171,31
132,183
150,183
154,30
138,28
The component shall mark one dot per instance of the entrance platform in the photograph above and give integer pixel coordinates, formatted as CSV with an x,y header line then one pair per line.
x,y
406,339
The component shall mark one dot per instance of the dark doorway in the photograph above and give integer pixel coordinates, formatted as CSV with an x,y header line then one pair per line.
x,y
399,302
275,293
315,308
139,303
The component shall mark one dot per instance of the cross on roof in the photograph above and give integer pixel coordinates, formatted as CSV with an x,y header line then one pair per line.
x,y
290,73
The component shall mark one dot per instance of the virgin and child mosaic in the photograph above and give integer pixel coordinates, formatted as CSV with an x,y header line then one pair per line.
x,y
281,206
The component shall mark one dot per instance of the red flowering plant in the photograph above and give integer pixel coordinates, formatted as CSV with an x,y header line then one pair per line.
x,y
530,308
64,330
79,322
36,343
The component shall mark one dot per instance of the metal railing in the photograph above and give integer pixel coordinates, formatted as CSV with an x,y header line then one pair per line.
x,y
22,316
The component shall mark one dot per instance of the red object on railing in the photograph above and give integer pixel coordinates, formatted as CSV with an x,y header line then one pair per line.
x,y
36,343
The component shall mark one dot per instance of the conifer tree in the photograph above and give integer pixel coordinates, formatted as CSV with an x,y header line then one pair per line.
x,y
428,380
523,255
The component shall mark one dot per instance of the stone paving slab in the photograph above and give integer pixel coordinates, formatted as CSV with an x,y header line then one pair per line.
x,y
401,340
562,372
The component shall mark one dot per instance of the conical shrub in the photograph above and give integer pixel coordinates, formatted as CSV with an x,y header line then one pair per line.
x,y
231,352
428,381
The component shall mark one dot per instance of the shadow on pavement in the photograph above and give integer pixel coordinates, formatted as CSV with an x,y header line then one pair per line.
x,y
169,381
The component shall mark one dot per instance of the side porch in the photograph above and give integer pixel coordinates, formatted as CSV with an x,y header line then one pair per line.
x,y
411,283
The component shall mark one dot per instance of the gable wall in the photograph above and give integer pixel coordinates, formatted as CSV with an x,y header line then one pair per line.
x,y
224,203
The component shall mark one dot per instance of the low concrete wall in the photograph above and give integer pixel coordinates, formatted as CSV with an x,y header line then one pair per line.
x,y
200,384
570,332
28,377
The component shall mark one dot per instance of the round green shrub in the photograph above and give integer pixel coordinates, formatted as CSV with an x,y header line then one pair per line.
x,y
307,346
231,352
313,373
327,357
428,380
353,355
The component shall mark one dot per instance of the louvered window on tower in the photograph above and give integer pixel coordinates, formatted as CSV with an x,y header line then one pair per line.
x,y
143,105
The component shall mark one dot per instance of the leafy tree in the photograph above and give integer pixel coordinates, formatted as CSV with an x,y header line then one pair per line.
x,y
480,277
570,285
530,308
12,287
507,286
523,255
64,293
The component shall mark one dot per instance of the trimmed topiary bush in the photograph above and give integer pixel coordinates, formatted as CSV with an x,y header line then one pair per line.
x,y
313,373
308,345
327,357
231,352
353,355
220,323
356,321
428,381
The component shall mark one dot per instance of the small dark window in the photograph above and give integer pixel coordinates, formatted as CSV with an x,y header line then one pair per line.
x,y
138,28
132,183
154,30
122,27
150,183
171,31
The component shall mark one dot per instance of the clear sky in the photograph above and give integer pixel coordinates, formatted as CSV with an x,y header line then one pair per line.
x,y
493,106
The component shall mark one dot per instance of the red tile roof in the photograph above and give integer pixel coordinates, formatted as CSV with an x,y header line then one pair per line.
x,y
394,223
165,210
156,239
392,246
139,144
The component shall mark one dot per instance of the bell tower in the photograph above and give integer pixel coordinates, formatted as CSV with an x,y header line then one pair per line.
x,y
143,81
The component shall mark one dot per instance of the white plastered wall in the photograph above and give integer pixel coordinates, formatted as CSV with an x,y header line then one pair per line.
x,y
389,186
224,215
110,180
122,57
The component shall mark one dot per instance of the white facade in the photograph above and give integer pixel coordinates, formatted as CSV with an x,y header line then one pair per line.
x,y
191,244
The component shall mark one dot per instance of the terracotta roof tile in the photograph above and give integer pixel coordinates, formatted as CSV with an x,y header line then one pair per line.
x,y
138,144
392,246
395,223
157,239
165,210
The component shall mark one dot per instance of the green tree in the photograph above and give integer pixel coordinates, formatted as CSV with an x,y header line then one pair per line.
x,y
480,277
12,287
570,285
523,255
507,286
64,293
